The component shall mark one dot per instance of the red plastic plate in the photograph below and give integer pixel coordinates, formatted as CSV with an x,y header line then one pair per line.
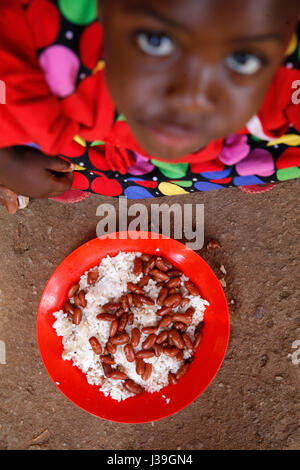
x,y
147,406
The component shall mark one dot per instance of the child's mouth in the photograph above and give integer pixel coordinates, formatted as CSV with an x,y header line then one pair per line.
x,y
174,136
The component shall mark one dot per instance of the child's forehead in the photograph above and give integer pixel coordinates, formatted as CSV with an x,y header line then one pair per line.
x,y
189,13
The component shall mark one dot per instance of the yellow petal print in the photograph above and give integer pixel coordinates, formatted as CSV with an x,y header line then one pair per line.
x,y
169,189
292,45
289,139
99,66
80,141
79,168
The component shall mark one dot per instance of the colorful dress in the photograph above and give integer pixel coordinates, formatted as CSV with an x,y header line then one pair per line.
x,y
57,100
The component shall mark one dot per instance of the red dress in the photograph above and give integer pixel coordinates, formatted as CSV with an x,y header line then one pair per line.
x,y
52,83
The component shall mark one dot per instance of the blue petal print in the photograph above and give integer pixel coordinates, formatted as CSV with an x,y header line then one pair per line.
x,y
247,180
206,186
217,175
137,192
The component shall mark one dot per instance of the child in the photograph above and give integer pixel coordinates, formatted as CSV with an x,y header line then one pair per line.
x,y
157,98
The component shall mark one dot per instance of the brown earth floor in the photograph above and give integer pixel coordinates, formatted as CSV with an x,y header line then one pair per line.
x,y
253,402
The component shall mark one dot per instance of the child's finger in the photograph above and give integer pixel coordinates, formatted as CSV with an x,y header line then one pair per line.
x,y
59,165
61,184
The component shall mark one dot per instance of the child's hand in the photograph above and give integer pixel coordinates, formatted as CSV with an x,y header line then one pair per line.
x,y
29,172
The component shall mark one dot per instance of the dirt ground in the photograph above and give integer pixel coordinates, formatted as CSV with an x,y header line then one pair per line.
x,y
253,402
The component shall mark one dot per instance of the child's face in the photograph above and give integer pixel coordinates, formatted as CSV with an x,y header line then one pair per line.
x,y
185,72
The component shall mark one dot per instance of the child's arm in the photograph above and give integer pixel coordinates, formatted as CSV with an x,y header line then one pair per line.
x,y
29,172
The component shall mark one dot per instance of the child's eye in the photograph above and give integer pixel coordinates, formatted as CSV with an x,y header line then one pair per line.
x,y
244,63
155,44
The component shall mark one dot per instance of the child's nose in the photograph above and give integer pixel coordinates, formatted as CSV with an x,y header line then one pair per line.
x,y
190,89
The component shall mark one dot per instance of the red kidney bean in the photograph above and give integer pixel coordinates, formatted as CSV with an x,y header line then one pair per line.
x,y
105,317
145,353
73,290
179,355
149,341
137,266
137,301
172,291
68,307
129,299
140,366
111,307
96,346
162,337
92,276
182,370
163,294
124,303
122,322
172,378
118,375
133,387
149,265
190,286
185,301
174,282
134,288
148,330
170,339
144,281
190,311
135,337
82,298
130,319
129,353
157,349
197,341
147,372
107,359
173,300
170,350
119,312
180,317
174,273
76,301
160,284
113,327
188,342
165,321
163,264
112,348
164,311
123,338
180,326
107,369
176,339
159,275
77,316
145,299
145,257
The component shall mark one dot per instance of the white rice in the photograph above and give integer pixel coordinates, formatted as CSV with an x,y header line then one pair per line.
x,y
114,273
